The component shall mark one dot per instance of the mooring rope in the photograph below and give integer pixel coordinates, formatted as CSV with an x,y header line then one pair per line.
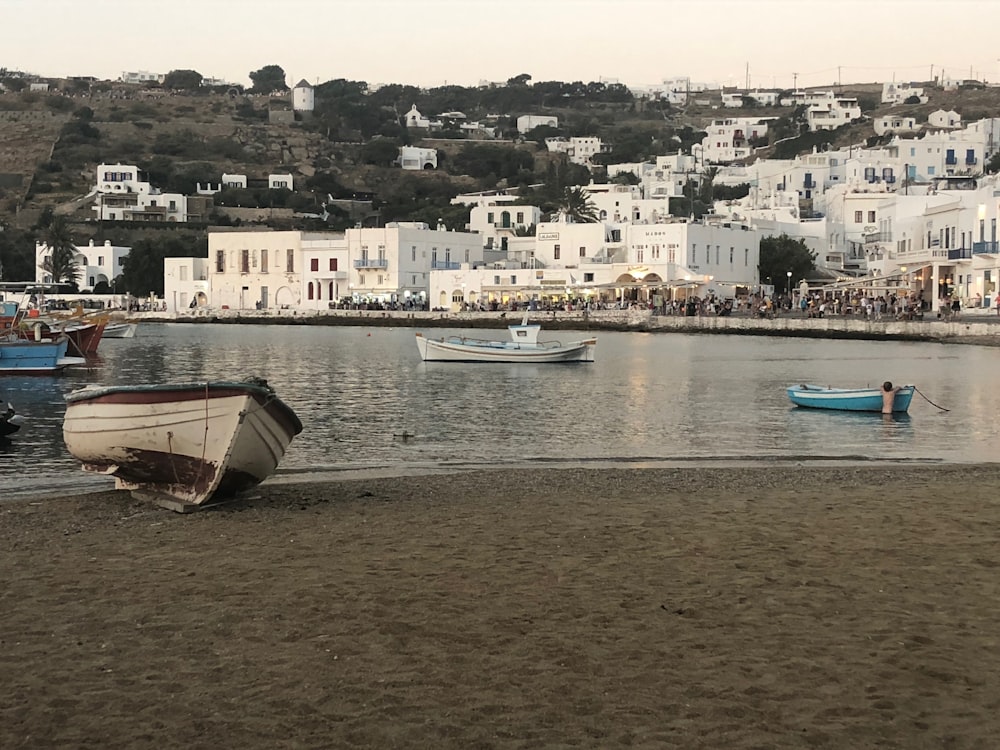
x,y
929,401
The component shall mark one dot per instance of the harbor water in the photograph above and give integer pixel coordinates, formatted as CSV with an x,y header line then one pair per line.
x,y
370,405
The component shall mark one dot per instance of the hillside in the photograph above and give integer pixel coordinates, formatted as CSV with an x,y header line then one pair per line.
x,y
51,143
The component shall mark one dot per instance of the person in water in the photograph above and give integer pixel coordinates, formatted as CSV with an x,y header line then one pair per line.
x,y
888,396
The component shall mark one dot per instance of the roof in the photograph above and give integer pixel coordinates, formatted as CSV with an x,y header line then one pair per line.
x,y
303,84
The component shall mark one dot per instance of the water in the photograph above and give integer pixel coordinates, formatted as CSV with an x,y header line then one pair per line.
x,y
649,399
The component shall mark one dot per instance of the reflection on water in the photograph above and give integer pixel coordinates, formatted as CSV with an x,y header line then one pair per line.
x,y
647,397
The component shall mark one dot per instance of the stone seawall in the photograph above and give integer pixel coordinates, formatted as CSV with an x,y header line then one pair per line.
x,y
974,328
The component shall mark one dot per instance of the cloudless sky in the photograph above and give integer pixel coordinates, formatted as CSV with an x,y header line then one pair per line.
x,y
463,42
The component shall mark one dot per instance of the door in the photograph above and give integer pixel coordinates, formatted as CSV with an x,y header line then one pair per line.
x,y
263,298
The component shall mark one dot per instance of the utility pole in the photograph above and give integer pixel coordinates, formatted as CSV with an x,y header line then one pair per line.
x,y
747,87
795,82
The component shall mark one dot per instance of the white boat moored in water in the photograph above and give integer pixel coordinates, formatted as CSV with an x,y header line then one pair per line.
x,y
523,346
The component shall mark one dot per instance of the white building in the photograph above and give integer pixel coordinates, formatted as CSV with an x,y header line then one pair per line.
x,y
97,263
530,122
579,150
498,222
944,119
234,181
895,124
280,181
186,283
831,114
414,119
414,158
897,93
122,195
729,139
295,270
303,97
590,260
142,76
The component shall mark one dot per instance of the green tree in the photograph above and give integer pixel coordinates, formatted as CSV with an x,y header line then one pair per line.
x,y
267,79
182,80
781,254
381,152
60,264
576,204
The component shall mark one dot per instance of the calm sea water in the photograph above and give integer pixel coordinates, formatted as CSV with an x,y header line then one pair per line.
x,y
368,402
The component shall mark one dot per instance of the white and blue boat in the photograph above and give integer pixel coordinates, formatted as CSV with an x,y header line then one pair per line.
x,y
26,357
848,399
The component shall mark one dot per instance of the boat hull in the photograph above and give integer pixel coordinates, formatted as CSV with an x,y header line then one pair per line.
x,y
120,330
22,357
847,399
188,442
457,349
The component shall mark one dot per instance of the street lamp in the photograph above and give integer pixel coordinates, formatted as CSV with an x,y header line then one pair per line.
x,y
789,287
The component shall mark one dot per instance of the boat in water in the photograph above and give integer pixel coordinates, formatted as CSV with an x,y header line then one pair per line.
x,y
523,346
10,420
848,399
20,356
183,444
123,330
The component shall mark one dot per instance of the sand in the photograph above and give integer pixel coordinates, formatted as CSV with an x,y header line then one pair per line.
x,y
765,607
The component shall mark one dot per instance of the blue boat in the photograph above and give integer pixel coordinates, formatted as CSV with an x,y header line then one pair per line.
x,y
24,357
848,399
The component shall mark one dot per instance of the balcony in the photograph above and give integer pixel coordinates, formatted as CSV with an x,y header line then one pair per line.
x,y
951,161
959,252
985,247
445,265
809,184
377,263
970,160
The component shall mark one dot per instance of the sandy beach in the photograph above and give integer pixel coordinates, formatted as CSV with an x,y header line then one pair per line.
x,y
764,607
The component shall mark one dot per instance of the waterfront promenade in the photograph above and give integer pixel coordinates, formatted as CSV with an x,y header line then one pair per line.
x,y
971,326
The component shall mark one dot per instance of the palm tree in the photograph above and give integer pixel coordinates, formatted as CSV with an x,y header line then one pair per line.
x,y
60,264
575,204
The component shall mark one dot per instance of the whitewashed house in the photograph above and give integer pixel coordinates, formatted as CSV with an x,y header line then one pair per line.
x,y
729,139
98,264
833,113
280,181
186,283
122,195
897,93
895,124
579,150
941,119
498,222
234,181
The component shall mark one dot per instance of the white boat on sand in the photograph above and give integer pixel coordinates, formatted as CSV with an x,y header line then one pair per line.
x,y
180,444
523,346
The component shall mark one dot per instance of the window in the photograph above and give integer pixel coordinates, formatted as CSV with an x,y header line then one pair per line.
x,y
583,251
731,250
290,261
859,216
520,217
333,264
457,297
183,273
310,288
413,254
263,260
489,218
244,261
871,217
555,252
314,264
220,261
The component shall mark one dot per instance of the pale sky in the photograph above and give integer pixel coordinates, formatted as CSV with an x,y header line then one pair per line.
x,y
463,42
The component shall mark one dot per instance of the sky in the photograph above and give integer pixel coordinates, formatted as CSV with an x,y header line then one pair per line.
x,y
771,43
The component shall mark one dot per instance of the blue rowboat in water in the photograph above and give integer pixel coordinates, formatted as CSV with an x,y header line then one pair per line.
x,y
847,399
